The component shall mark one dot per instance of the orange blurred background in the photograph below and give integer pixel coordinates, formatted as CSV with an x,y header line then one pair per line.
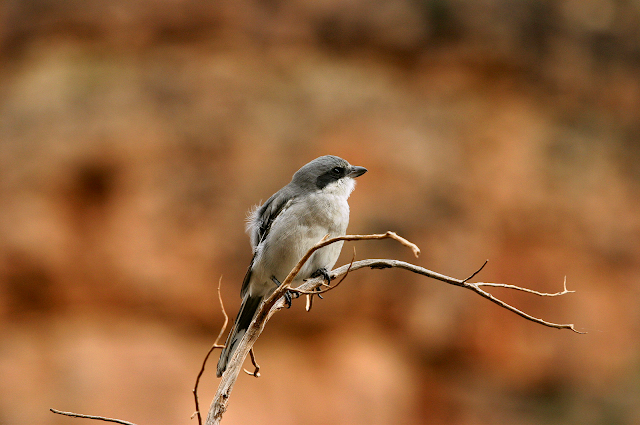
x,y
135,135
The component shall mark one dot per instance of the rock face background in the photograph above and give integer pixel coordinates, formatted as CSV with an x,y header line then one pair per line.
x,y
135,135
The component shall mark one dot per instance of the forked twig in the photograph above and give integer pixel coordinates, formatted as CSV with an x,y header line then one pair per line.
x,y
213,347
527,290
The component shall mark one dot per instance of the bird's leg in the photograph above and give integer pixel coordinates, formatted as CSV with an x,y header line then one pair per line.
x,y
289,295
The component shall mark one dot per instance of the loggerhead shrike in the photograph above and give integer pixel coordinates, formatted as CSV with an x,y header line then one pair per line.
x,y
284,228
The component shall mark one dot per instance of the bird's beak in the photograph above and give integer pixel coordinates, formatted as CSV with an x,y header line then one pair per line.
x,y
356,171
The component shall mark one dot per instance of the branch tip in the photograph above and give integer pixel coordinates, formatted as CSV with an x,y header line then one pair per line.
x,y
98,418
573,328
566,291
405,242
475,273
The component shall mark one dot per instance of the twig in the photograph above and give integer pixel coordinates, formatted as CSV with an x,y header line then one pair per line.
x,y
527,290
476,272
475,287
520,313
256,366
213,347
98,418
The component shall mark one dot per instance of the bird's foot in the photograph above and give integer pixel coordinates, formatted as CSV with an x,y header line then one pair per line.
x,y
289,296
322,272
325,274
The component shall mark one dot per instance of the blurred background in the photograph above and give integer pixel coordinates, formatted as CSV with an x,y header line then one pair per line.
x,y
135,135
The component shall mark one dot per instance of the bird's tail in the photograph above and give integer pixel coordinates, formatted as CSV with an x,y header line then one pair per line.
x,y
243,320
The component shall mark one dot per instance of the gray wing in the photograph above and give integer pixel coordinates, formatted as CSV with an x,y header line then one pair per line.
x,y
259,224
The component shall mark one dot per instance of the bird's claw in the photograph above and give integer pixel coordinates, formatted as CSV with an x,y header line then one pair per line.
x,y
289,296
322,272
325,275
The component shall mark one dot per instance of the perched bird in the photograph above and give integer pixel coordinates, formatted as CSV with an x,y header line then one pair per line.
x,y
284,228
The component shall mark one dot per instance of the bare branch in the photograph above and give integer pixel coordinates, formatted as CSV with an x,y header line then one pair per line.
x,y
475,287
520,313
97,418
275,302
213,347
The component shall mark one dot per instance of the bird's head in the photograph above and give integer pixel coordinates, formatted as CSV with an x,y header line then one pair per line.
x,y
328,173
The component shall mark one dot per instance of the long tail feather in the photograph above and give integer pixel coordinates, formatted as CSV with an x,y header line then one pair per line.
x,y
243,320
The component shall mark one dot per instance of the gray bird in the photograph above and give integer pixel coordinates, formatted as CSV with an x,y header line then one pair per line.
x,y
284,228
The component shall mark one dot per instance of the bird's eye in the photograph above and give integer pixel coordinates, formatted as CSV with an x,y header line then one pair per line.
x,y
337,171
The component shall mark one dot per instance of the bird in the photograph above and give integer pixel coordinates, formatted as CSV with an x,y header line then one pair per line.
x,y
313,205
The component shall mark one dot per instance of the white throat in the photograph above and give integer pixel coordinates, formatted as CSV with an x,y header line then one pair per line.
x,y
341,188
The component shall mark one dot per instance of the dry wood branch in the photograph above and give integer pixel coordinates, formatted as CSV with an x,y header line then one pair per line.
x,y
475,287
276,302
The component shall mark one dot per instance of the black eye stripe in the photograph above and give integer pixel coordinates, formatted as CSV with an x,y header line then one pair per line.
x,y
336,173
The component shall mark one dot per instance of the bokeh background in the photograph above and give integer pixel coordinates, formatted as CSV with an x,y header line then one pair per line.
x,y
135,135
